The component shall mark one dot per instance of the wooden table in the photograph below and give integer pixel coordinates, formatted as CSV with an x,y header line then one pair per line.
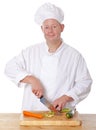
x,y
10,121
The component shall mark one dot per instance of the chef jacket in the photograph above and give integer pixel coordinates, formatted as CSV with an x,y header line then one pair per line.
x,y
63,72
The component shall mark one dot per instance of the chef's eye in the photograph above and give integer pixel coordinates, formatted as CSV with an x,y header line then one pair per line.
x,y
54,26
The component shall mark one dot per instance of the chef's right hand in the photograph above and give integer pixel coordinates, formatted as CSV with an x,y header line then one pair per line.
x,y
37,87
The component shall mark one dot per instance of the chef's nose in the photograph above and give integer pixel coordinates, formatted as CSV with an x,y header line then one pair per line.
x,y
50,29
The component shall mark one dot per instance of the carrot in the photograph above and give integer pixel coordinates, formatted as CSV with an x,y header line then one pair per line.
x,y
31,114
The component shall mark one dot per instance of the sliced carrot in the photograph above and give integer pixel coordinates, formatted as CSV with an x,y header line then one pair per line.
x,y
31,114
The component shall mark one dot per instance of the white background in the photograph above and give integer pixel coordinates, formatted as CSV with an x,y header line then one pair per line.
x,y
18,30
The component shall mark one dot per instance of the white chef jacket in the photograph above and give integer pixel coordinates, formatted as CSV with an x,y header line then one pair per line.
x,y
63,72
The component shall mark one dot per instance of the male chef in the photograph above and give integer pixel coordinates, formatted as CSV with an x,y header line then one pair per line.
x,y
51,68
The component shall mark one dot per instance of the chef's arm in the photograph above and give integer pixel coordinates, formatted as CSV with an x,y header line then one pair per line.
x,y
16,72
82,83
37,87
80,89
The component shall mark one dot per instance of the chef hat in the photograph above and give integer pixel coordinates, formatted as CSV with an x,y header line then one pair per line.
x,y
47,11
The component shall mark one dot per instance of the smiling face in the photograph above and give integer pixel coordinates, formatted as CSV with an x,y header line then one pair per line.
x,y
52,30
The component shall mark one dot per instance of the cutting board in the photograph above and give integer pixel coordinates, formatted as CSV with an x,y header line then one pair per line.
x,y
56,120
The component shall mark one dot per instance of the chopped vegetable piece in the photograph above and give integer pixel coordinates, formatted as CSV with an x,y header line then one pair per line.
x,y
31,114
49,114
65,110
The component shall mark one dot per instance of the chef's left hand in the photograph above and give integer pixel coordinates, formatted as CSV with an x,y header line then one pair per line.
x,y
61,102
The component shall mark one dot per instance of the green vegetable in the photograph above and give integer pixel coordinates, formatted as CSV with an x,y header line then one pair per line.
x,y
65,110
49,114
69,115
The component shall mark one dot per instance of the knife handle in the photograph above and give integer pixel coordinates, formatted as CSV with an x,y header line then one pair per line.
x,y
41,97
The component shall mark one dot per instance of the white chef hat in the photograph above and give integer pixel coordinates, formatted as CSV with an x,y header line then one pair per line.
x,y
47,11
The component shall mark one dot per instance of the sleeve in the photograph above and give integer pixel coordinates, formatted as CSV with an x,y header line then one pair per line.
x,y
82,84
16,68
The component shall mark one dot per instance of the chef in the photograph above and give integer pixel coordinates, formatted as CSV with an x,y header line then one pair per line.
x,y
50,68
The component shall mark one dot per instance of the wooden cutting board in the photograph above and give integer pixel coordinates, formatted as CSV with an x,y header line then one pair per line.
x,y
56,120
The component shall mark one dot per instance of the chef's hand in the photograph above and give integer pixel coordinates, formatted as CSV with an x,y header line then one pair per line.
x,y
37,87
61,102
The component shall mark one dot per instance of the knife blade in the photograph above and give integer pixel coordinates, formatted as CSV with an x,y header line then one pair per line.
x,y
48,105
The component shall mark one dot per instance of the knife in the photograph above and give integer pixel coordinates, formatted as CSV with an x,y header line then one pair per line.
x,y
48,104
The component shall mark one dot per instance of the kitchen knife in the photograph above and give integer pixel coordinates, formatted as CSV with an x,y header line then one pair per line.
x,y
48,105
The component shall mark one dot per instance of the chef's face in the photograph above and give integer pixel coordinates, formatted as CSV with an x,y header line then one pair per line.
x,y
52,29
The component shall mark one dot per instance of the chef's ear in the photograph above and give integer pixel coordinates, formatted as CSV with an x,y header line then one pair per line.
x,y
62,27
42,28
